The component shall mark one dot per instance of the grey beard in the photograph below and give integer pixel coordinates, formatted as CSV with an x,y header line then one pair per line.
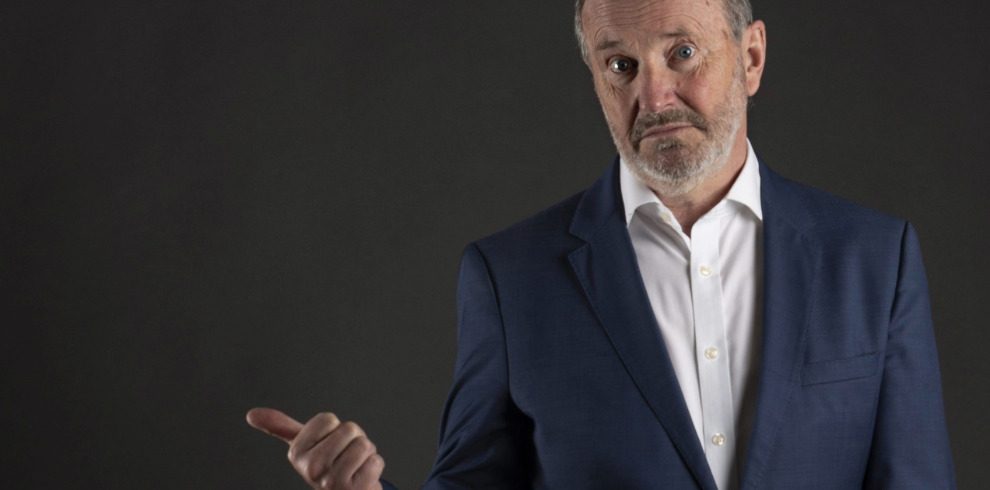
x,y
676,169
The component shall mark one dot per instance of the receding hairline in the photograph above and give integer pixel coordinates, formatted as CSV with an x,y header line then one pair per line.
x,y
738,14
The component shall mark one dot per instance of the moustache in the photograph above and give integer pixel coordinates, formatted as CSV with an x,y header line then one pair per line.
x,y
653,119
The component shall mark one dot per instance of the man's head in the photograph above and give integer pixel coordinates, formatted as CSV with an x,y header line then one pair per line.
x,y
738,13
673,78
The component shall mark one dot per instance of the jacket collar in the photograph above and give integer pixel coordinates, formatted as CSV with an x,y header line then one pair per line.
x,y
745,190
609,275
608,272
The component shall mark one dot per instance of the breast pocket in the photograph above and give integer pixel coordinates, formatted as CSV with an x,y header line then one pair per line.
x,y
832,370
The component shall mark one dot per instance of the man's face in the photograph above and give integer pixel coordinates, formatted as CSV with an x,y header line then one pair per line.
x,y
672,82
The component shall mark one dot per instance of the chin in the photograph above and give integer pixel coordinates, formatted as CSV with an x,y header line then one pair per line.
x,y
672,167
668,179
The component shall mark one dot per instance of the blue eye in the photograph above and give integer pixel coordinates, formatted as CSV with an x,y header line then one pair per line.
x,y
620,65
686,51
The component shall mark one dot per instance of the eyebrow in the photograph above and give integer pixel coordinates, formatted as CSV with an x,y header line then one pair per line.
x,y
606,44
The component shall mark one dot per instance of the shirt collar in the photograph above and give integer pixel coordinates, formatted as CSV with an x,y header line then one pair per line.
x,y
745,190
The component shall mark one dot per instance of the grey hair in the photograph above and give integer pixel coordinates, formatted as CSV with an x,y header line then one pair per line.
x,y
739,13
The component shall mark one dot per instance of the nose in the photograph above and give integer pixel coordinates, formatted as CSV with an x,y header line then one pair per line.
x,y
657,88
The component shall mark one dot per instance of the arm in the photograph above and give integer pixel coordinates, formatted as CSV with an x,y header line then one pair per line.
x,y
910,443
485,441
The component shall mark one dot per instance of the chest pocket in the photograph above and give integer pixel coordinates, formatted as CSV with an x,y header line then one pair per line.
x,y
832,370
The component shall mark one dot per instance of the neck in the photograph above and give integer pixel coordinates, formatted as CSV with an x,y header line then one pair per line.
x,y
691,205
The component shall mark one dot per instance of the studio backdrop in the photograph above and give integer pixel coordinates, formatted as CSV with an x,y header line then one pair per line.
x,y
210,206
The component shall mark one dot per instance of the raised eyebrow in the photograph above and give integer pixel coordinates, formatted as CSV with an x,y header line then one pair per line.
x,y
606,44
676,33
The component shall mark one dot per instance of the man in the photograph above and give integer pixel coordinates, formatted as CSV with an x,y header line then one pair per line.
x,y
692,320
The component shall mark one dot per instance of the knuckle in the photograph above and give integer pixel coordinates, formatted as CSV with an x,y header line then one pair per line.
x,y
328,418
351,429
327,482
312,472
364,445
377,462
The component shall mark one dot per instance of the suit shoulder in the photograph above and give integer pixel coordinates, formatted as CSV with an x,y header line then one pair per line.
x,y
545,229
816,210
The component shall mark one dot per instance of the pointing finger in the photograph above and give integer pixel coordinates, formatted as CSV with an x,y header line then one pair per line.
x,y
274,423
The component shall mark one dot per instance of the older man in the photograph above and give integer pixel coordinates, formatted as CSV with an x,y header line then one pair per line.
x,y
692,320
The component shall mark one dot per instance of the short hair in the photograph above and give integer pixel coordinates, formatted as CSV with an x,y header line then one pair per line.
x,y
739,14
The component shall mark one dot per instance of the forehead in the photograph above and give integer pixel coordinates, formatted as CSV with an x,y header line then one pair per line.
x,y
603,19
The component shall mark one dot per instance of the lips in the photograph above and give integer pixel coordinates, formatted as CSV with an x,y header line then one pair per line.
x,y
665,124
664,130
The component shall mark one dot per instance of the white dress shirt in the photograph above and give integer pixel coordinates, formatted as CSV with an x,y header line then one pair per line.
x,y
705,292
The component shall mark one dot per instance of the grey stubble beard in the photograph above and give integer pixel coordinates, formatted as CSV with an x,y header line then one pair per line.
x,y
676,169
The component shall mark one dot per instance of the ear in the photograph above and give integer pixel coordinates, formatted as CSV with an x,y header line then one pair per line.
x,y
754,42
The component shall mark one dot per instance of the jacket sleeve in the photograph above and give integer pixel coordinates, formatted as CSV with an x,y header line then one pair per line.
x,y
910,442
485,440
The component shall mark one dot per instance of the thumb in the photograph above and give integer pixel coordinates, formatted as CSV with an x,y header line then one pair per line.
x,y
274,423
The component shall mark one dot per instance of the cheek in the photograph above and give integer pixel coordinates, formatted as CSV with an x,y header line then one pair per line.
x,y
619,115
696,96
608,91
701,94
705,87
616,101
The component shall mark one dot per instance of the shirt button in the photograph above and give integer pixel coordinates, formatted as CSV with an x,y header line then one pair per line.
x,y
705,271
718,439
711,353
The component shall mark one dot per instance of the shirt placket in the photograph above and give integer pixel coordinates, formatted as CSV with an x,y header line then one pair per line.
x,y
711,350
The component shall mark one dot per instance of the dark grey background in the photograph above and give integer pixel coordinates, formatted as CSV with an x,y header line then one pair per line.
x,y
207,206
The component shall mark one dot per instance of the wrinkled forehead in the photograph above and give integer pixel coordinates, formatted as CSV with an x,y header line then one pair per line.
x,y
605,19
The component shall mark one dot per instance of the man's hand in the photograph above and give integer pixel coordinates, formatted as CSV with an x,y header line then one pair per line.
x,y
327,453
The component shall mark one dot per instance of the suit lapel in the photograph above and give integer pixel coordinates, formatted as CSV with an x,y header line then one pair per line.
x,y
789,267
607,270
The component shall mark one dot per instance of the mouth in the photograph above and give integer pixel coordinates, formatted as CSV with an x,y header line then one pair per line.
x,y
665,130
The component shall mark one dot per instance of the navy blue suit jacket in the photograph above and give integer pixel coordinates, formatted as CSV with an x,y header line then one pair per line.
x,y
563,381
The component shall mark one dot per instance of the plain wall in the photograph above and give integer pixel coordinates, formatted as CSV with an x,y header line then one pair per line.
x,y
208,206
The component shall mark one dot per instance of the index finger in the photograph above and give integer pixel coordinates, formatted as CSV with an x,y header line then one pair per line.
x,y
274,423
